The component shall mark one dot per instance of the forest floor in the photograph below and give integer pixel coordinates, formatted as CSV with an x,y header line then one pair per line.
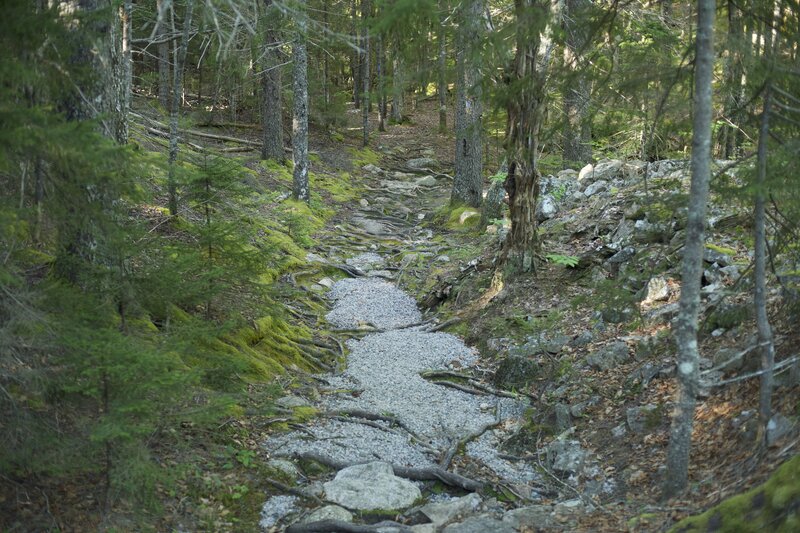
x,y
426,250
389,228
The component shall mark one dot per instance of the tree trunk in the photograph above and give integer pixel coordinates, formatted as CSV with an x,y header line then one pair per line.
x,y
379,62
164,80
397,83
126,84
177,93
525,117
365,15
686,328
577,136
441,86
765,343
468,179
732,73
300,188
355,58
272,112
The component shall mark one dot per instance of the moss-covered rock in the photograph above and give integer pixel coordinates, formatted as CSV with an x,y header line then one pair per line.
x,y
773,506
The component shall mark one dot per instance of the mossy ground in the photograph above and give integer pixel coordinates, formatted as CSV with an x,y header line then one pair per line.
x,y
773,506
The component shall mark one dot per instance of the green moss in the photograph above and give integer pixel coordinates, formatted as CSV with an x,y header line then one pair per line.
x,y
340,187
364,156
279,171
769,507
721,249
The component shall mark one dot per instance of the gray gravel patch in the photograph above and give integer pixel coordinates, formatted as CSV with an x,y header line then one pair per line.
x,y
383,377
371,301
275,509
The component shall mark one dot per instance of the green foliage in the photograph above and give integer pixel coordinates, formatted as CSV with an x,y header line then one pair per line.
x,y
569,261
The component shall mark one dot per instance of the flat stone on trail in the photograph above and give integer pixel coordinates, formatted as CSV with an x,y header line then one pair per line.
x,y
420,163
371,486
329,512
441,513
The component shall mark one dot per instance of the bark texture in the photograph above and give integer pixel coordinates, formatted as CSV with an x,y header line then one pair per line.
x,y
398,83
300,189
692,269
272,113
577,136
468,179
441,85
164,80
177,93
527,88
766,345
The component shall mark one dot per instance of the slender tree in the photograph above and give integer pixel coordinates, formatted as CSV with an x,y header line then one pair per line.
x,y
163,41
577,122
692,269
527,81
272,114
468,179
441,85
300,189
366,9
765,341
177,95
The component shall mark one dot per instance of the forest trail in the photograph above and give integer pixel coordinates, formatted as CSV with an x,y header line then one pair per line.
x,y
408,394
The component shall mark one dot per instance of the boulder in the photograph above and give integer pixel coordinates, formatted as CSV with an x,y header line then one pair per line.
x,y
289,402
426,181
547,208
421,163
778,427
642,418
493,204
440,513
715,256
372,169
515,372
603,170
370,487
596,187
609,357
329,512
657,290
563,417
566,456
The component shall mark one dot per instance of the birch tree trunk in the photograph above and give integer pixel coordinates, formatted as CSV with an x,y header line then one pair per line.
x,y
272,113
177,93
686,328
766,346
300,189
468,179
164,81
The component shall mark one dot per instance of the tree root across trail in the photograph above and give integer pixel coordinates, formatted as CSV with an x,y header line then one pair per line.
x,y
396,401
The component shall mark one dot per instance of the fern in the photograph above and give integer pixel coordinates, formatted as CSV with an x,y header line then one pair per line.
x,y
569,261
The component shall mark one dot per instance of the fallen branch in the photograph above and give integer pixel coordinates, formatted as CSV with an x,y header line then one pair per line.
x,y
446,324
432,473
339,526
291,490
453,450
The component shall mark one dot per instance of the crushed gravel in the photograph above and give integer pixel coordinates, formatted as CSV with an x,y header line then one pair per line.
x,y
371,301
383,376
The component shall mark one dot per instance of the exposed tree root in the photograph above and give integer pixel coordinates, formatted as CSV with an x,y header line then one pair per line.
x,y
432,473
339,526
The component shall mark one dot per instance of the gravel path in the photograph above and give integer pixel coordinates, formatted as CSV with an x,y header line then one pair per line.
x,y
382,377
